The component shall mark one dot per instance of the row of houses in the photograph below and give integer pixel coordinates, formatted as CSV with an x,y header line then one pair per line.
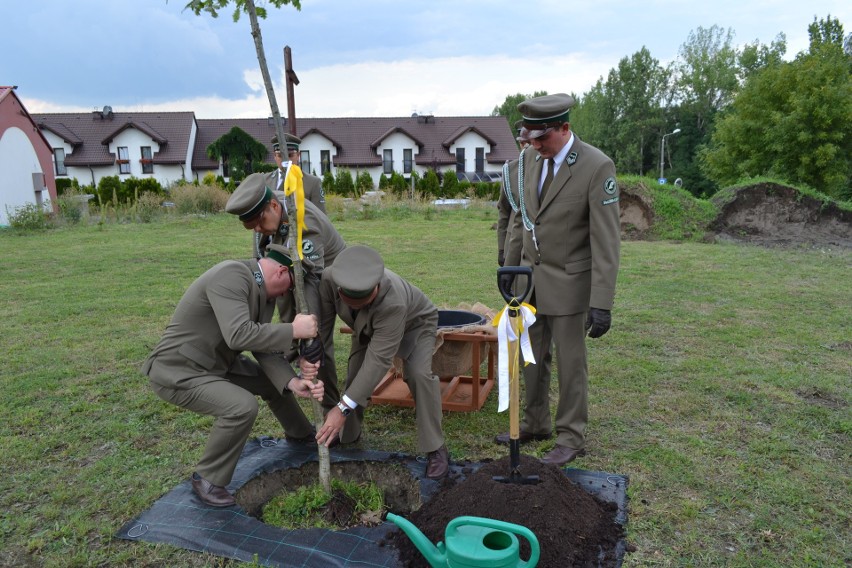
x,y
172,146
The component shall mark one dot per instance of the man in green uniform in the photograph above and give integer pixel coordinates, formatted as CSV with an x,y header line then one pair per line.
x,y
263,210
507,203
198,363
388,317
567,229
313,185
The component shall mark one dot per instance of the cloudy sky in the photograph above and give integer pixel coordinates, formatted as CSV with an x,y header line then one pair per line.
x,y
357,57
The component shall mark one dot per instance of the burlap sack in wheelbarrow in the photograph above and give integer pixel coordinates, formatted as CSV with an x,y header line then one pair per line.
x,y
453,358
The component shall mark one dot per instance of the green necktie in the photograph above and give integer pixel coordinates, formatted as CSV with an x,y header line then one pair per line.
x,y
547,179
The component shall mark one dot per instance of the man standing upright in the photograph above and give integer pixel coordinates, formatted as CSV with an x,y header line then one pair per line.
x,y
507,203
313,185
567,230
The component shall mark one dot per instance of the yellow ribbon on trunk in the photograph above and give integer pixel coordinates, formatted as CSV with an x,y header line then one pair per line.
x,y
293,184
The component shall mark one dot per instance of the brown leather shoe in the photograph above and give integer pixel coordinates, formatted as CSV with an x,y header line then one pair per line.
x,y
560,455
438,463
523,437
213,495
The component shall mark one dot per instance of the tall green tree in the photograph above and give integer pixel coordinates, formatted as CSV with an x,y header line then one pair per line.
x,y
624,115
238,150
792,120
509,108
705,82
706,73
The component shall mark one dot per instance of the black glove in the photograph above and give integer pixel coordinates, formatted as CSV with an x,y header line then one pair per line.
x,y
501,258
311,352
598,322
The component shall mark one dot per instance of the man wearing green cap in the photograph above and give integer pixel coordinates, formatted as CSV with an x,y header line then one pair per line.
x,y
263,210
567,230
198,363
389,317
313,185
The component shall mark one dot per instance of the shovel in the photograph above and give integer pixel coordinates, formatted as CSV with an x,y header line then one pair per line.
x,y
506,278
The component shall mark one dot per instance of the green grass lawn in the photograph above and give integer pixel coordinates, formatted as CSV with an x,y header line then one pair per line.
x,y
722,390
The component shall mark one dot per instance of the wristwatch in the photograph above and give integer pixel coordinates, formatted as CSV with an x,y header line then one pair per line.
x,y
344,409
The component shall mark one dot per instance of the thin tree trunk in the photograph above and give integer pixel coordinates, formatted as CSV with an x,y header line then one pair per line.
x,y
298,275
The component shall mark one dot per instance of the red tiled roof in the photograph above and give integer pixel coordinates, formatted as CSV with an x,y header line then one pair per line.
x,y
357,138
91,132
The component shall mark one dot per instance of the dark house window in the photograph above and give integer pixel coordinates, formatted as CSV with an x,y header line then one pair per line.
x,y
480,160
147,160
123,160
387,162
305,158
325,161
225,166
407,160
59,160
460,160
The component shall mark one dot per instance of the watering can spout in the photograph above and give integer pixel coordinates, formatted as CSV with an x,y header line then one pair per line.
x,y
435,555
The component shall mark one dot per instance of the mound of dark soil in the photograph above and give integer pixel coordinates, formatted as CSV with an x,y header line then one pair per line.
x,y
777,215
572,527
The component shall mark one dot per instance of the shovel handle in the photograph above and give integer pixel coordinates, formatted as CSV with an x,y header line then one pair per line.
x,y
505,284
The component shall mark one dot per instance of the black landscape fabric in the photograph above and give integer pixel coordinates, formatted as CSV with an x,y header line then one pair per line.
x,y
179,518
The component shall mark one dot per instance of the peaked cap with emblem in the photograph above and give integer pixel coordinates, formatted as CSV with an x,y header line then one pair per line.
x,y
250,197
293,142
279,254
357,270
543,112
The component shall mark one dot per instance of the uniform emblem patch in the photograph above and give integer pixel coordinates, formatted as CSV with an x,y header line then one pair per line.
x,y
309,250
610,187
258,277
572,159
284,230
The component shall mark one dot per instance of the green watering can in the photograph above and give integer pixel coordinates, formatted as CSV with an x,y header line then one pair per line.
x,y
473,542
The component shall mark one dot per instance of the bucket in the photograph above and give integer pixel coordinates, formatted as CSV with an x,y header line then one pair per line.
x,y
453,319
453,358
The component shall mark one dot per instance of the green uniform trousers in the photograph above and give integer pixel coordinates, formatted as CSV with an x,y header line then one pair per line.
x,y
232,401
424,386
568,335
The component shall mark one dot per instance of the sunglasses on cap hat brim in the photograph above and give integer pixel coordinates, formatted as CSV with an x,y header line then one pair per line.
x,y
541,132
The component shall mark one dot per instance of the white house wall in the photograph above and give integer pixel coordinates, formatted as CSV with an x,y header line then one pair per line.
x,y
315,144
18,163
470,141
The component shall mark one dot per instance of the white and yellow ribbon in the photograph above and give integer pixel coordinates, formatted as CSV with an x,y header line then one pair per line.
x,y
293,184
507,333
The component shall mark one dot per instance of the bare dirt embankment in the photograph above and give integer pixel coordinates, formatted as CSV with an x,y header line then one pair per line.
x,y
776,215
766,214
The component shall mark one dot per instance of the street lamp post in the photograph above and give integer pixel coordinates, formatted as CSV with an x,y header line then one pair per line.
x,y
663,151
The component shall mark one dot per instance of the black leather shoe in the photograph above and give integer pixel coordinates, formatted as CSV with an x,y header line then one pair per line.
x,y
336,441
438,463
309,439
213,495
560,455
523,437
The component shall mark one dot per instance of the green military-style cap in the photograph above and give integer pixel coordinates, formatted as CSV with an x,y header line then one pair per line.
x,y
279,254
543,112
357,271
293,142
250,197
